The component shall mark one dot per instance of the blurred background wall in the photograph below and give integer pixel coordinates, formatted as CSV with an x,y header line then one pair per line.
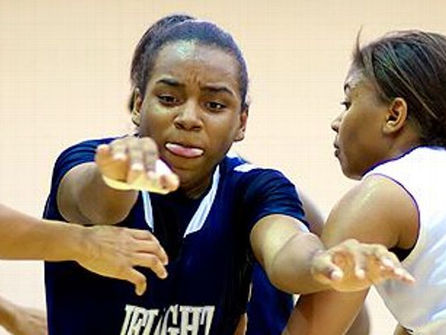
x,y
64,77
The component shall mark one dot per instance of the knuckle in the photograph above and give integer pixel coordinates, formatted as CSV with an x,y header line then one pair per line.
x,y
122,270
140,280
151,261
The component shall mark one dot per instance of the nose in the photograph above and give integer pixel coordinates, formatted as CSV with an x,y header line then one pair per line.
x,y
336,123
189,117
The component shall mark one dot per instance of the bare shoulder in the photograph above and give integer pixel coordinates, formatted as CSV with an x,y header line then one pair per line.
x,y
377,210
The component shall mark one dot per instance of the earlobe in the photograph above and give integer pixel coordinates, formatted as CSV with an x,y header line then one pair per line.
x,y
136,117
396,116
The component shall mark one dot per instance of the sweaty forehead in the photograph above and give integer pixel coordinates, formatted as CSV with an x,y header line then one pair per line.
x,y
354,80
189,59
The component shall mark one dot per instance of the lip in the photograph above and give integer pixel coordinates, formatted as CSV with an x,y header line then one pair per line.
x,y
184,150
336,151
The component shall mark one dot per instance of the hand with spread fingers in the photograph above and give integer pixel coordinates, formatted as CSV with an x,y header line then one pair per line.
x,y
131,163
115,251
353,266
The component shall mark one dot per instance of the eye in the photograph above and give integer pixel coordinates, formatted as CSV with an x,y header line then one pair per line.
x,y
346,104
168,100
215,106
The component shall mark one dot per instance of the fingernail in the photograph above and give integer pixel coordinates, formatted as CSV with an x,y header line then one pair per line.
x,y
360,273
387,262
102,147
119,156
137,167
336,275
399,271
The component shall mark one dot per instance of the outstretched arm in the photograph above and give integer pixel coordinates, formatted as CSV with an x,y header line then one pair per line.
x,y
104,191
366,213
108,251
296,261
285,249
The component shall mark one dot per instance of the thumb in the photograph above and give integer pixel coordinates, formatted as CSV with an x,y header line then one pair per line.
x,y
325,269
329,274
137,279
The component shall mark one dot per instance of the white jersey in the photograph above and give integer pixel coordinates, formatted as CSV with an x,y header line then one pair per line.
x,y
421,307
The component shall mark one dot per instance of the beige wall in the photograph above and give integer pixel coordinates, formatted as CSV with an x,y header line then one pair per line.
x,y
64,77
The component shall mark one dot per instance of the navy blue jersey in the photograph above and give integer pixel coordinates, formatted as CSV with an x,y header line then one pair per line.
x,y
269,308
206,239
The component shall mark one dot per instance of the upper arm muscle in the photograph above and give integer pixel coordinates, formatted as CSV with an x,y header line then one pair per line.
x,y
376,211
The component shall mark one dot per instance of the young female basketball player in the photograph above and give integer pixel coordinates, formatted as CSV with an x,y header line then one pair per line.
x,y
392,136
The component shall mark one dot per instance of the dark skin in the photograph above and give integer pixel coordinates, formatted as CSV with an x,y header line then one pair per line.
x,y
369,131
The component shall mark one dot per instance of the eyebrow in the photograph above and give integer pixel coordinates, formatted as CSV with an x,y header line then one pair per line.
x,y
170,82
218,88
214,88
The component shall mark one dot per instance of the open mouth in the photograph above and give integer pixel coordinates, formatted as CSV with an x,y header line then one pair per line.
x,y
183,150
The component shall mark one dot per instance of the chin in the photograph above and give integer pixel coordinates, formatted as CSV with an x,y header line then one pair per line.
x,y
350,174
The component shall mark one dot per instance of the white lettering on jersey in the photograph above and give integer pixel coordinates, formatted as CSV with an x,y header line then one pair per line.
x,y
175,320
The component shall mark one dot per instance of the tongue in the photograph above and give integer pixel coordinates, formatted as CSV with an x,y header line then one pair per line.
x,y
179,150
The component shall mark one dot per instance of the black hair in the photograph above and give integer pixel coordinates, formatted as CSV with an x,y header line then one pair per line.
x,y
182,28
136,67
411,65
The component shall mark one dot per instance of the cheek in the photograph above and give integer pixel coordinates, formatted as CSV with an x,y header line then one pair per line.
x,y
153,120
222,132
353,129
349,140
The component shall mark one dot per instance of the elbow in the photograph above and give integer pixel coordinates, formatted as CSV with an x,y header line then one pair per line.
x,y
292,280
279,276
97,215
105,215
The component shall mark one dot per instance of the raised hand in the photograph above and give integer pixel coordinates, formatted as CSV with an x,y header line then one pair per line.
x,y
353,266
132,163
115,251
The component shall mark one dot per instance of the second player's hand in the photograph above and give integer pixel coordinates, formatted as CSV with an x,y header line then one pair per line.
x,y
115,251
131,163
353,266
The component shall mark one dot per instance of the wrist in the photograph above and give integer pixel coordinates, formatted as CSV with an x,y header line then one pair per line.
x,y
78,248
67,243
8,314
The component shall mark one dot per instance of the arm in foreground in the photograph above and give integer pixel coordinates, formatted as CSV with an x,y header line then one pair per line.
x,y
366,214
108,251
104,191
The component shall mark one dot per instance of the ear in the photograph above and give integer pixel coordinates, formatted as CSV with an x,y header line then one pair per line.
x,y
242,127
396,116
136,103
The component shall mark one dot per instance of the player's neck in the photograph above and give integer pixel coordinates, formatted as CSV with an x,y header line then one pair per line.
x,y
195,189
